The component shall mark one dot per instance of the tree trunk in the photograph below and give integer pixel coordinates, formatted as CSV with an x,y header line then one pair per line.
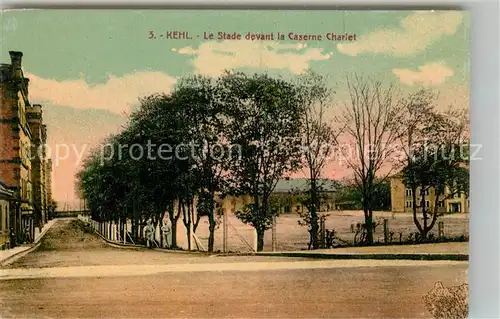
x,y
314,217
135,229
424,214
435,214
369,226
313,234
260,239
173,221
414,209
211,224
187,222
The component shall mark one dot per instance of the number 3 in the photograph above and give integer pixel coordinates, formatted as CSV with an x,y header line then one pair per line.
x,y
151,35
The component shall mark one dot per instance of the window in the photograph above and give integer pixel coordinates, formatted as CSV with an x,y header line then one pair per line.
x,y
2,226
426,203
28,152
441,203
409,204
287,209
408,192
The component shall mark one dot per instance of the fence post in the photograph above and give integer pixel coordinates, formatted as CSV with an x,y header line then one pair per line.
x,y
125,232
322,232
386,230
440,229
254,242
274,232
225,225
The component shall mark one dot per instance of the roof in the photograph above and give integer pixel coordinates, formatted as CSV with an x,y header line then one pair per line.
x,y
302,184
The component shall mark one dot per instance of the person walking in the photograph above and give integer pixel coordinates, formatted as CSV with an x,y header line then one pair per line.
x,y
165,230
150,234
13,239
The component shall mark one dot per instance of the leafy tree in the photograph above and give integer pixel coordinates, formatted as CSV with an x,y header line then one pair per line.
x,y
264,117
438,162
205,126
318,139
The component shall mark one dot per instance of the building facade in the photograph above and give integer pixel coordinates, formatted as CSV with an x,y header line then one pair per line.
x,y
48,186
402,199
38,163
287,197
22,167
6,197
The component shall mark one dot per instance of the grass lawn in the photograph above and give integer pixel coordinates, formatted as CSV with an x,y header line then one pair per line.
x,y
291,236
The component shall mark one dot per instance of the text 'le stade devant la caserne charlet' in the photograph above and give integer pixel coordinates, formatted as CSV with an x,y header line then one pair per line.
x,y
272,36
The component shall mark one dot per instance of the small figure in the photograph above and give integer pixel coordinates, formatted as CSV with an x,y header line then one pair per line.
x,y
27,235
13,241
150,234
165,230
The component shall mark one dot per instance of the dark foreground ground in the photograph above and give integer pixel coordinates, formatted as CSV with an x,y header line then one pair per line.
x,y
75,275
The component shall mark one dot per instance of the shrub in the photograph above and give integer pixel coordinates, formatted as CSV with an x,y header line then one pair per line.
x,y
448,303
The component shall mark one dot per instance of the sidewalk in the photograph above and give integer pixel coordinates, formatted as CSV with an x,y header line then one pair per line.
x,y
440,251
9,253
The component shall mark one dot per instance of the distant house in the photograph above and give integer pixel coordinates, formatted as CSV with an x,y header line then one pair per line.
x,y
402,198
288,192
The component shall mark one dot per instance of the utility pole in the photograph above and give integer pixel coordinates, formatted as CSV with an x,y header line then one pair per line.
x,y
224,242
225,224
274,231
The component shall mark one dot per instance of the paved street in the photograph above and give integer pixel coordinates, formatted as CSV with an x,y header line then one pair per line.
x,y
75,275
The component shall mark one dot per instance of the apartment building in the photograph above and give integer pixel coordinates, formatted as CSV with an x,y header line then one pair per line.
x,y
23,168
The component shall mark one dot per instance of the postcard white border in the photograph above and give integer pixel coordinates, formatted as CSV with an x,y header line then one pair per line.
x,y
484,265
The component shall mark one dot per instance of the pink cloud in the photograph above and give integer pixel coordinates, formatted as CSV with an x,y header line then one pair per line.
x,y
429,74
117,94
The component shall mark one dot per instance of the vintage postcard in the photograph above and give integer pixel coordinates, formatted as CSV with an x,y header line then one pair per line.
x,y
234,164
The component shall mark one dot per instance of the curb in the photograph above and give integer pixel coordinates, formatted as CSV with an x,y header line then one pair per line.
x,y
18,255
452,257
28,249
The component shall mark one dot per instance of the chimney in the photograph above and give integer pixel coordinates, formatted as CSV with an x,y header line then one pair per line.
x,y
16,58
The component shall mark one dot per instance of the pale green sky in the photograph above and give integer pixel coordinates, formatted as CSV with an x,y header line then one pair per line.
x,y
88,67
63,44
